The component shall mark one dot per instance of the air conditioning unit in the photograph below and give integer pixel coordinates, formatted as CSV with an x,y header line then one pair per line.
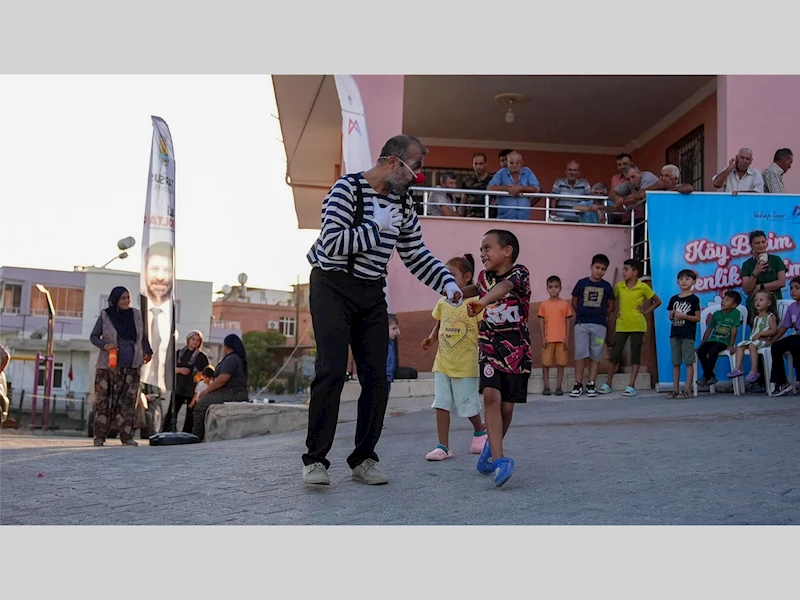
x,y
273,325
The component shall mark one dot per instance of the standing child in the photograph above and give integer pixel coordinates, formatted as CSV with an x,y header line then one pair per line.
x,y
592,302
765,325
720,334
208,378
791,343
504,345
555,324
636,300
684,312
455,367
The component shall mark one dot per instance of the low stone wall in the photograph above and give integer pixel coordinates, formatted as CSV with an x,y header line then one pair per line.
x,y
234,420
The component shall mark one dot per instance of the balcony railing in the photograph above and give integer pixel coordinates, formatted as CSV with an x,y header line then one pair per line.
x,y
550,207
227,325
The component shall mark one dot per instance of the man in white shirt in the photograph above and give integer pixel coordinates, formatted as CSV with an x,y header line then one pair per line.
x,y
159,281
740,176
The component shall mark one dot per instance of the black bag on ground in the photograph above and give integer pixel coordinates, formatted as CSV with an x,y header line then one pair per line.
x,y
405,373
173,438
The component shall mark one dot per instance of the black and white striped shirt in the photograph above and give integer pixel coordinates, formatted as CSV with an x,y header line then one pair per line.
x,y
373,249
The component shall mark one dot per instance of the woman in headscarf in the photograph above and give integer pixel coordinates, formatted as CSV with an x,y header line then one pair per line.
x,y
189,364
230,383
119,327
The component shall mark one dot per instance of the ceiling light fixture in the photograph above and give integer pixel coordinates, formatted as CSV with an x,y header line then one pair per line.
x,y
510,100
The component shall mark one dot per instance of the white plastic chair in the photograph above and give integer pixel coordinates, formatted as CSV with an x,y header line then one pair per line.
x,y
741,335
766,353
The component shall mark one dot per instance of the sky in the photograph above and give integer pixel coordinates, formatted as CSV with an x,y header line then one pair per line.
x,y
75,163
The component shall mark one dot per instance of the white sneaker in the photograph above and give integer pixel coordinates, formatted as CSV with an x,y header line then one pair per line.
x,y
369,473
316,474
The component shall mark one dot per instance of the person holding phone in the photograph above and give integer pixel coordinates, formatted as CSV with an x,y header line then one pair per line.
x,y
762,272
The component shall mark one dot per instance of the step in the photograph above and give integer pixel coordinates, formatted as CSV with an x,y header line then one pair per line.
x,y
424,386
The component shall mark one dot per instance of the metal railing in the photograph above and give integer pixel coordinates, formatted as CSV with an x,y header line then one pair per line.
x,y
638,248
490,199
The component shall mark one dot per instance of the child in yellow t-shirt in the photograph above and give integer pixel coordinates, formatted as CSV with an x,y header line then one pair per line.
x,y
635,300
455,367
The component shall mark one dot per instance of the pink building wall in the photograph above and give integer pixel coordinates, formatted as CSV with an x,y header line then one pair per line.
x,y
382,96
759,112
652,156
546,249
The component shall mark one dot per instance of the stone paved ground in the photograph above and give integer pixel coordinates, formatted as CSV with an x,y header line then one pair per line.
x,y
609,461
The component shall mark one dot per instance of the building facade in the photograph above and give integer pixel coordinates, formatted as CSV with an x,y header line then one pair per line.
x,y
78,297
696,122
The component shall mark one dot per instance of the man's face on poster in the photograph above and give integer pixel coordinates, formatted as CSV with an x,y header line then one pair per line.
x,y
159,279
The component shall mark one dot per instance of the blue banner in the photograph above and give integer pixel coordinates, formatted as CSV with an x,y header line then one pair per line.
x,y
709,234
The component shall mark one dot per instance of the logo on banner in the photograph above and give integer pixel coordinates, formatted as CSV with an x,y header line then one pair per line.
x,y
796,214
163,149
773,216
353,126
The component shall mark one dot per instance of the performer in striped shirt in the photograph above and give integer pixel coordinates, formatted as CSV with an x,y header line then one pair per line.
x,y
365,217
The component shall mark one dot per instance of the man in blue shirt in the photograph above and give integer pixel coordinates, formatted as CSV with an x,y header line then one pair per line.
x,y
516,180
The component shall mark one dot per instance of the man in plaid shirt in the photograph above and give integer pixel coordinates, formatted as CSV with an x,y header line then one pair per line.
x,y
773,174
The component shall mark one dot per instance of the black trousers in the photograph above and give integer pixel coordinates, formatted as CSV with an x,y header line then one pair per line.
x,y
790,344
707,355
171,419
347,312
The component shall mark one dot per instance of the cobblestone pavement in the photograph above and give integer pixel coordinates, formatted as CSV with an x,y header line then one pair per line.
x,y
607,461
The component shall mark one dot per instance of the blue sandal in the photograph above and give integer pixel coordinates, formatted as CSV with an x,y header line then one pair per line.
x,y
629,391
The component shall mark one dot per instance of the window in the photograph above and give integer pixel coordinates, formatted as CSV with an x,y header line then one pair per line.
x,y
58,375
687,155
287,326
68,302
11,300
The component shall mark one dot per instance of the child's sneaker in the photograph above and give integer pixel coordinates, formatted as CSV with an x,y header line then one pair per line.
x,y
577,390
484,460
503,470
711,381
702,382
604,389
478,440
591,390
546,392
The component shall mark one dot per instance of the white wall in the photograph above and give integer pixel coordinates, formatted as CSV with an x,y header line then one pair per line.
x,y
194,297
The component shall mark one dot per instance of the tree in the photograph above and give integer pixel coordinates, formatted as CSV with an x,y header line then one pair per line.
x,y
261,363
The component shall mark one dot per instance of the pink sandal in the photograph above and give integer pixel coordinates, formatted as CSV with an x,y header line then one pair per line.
x,y
438,453
478,440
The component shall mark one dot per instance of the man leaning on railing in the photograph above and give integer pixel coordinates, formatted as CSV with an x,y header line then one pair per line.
x,y
441,203
515,179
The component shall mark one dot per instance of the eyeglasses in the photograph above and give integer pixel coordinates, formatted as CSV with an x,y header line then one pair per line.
x,y
418,177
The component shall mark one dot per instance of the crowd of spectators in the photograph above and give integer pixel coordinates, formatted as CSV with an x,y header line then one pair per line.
x,y
570,195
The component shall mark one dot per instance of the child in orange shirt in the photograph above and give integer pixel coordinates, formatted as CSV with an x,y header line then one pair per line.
x,y
555,323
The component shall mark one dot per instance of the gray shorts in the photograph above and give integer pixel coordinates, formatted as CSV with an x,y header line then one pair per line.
x,y
682,351
589,340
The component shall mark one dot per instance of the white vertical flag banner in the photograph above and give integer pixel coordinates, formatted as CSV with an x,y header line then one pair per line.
x,y
355,140
157,284
356,154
